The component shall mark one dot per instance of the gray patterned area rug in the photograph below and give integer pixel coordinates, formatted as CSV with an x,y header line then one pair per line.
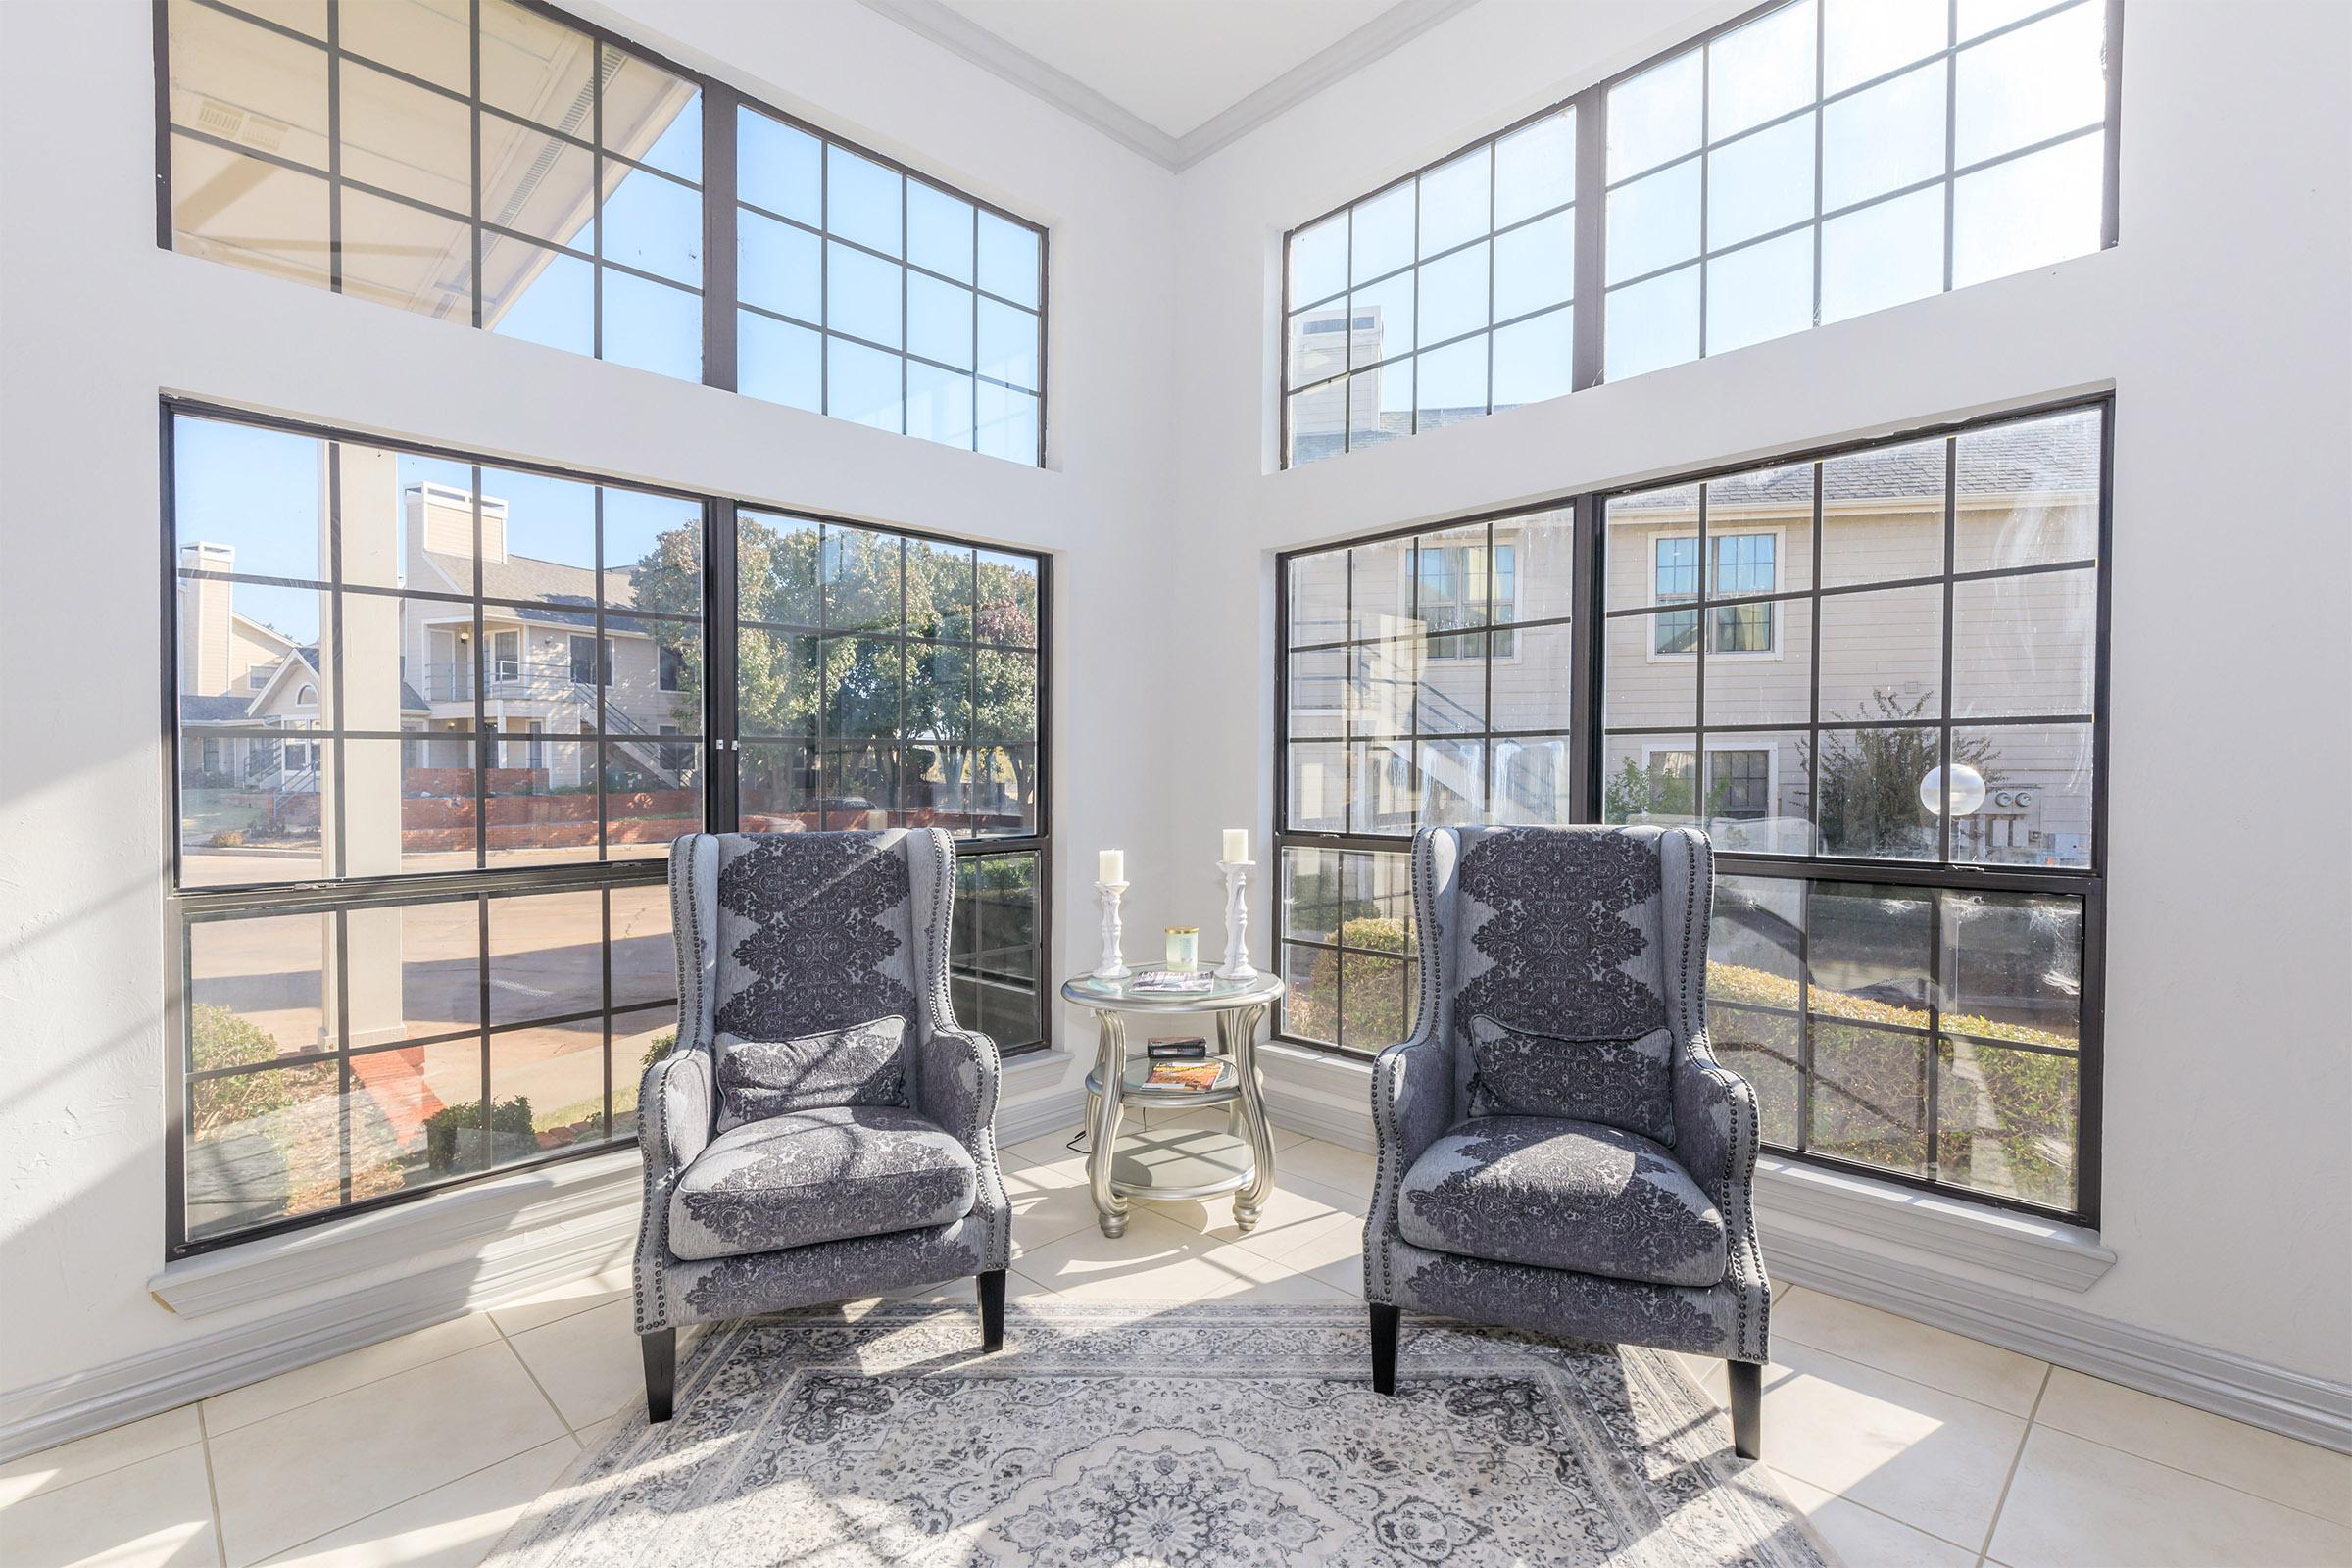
x,y
1201,1435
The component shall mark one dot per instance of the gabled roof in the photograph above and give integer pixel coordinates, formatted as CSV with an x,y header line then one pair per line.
x,y
225,709
548,590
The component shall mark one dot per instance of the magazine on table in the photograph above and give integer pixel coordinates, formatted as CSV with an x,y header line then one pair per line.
x,y
1172,983
1194,1075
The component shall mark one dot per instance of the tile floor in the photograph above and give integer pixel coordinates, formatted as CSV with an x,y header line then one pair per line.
x,y
1904,1444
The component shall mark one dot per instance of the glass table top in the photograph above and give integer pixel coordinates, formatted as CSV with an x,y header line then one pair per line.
x,y
1135,992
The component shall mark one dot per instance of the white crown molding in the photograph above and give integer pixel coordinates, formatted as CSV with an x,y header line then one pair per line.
x,y
957,33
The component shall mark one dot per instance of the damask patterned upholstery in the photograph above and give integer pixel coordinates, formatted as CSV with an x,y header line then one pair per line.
x,y
864,1064
1563,1227
1620,1083
808,1176
1559,1193
786,935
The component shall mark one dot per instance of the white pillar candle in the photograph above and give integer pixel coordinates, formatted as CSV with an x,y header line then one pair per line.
x,y
1111,865
1237,845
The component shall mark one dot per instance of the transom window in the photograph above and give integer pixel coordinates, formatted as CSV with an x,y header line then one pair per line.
x,y
1811,161
1438,299
1889,730
508,166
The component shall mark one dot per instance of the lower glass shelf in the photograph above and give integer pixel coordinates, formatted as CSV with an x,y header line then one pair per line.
x,y
1134,1092
1178,1163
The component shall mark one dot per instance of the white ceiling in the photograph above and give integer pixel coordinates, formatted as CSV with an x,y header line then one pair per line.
x,y
1174,80
1174,64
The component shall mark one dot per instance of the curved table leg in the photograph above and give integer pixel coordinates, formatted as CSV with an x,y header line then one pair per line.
x,y
1238,1029
1103,1132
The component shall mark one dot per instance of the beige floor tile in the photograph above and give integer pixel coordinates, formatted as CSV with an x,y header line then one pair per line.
x,y
79,1460
1044,1149
1346,1276
2076,1502
1985,1373
291,1476
242,1407
1328,1164
2301,1475
1866,1540
1049,1203
1310,1244
451,1525
1290,1210
1159,1259
1920,1455
154,1512
589,1363
563,1301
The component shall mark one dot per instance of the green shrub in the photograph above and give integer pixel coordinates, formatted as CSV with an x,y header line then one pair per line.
x,y
662,1046
1376,994
218,1038
509,1118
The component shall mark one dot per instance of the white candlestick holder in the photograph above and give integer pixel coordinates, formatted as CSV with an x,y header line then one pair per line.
x,y
1113,967
1236,921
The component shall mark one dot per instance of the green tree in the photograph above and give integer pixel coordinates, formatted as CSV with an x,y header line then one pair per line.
x,y
944,691
1870,779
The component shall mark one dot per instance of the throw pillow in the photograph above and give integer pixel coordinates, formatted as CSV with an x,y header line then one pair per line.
x,y
1623,1083
864,1064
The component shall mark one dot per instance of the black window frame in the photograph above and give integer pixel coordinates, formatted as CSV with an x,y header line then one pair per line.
x,y
717,186
333,898
1588,749
1593,185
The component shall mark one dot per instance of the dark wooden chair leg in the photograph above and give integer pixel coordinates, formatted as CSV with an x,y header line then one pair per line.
x,y
991,1310
660,1350
1748,1408
1384,1346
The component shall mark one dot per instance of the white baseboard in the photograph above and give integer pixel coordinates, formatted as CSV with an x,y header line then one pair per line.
x,y
377,1276
2314,1409
204,1364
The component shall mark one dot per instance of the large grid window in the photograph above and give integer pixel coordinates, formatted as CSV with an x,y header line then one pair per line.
x,y
1426,681
437,719
1811,161
1438,299
1934,706
871,294
502,165
1874,677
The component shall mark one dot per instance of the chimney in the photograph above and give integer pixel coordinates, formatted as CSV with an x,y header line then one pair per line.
x,y
204,611
440,519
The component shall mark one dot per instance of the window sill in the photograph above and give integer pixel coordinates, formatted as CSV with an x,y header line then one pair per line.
x,y
581,1196
1329,1097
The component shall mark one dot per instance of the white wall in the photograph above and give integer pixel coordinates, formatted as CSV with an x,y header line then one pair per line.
x,y
2221,322
98,321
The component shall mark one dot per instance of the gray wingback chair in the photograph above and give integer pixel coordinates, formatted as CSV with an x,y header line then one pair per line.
x,y
857,1171
1559,1149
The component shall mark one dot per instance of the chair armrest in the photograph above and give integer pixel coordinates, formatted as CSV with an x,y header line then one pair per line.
x,y
957,1081
1715,1124
1412,1105
675,1111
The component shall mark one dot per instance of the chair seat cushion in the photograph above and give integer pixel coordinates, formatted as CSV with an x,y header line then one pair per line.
x,y
822,1175
1566,1195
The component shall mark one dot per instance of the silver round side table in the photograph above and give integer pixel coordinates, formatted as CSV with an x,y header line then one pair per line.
x,y
1203,1163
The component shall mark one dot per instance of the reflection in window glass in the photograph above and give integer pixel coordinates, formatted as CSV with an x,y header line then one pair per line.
x,y
424,175
1438,300
885,681
880,298
1853,167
